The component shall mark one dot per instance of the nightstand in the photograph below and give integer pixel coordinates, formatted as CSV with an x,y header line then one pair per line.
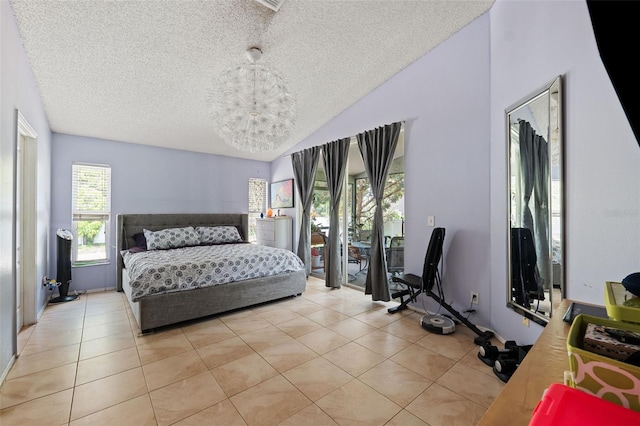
x,y
275,232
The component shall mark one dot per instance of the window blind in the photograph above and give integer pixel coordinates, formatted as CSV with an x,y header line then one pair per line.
x,y
91,192
257,195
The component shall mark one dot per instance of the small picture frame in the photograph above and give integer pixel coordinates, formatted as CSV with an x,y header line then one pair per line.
x,y
282,194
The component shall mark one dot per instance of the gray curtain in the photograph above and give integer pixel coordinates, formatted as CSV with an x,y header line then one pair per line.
x,y
305,164
541,213
527,165
533,178
335,159
377,147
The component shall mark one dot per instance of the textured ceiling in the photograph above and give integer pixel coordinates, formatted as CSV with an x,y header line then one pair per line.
x,y
141,71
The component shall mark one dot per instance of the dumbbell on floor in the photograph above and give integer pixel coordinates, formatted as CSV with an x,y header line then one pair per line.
x,y
488,353
505,367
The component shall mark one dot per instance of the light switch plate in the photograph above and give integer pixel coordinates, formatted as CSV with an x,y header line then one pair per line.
x,y
431,221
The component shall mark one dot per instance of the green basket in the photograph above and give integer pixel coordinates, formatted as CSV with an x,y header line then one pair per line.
x,y
621,305
604,377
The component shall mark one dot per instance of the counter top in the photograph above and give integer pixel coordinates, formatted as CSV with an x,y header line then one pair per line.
x,y
544,364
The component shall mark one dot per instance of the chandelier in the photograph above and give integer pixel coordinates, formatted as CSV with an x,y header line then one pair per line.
x,y
251,107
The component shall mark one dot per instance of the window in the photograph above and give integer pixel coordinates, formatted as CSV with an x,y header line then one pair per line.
x,y
392,205
257,203
91,209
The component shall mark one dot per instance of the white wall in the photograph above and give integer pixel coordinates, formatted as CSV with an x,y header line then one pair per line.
x,y
444,99
19,91
532,43
146,179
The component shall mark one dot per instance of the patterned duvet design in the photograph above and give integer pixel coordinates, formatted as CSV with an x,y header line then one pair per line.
x,y
165,271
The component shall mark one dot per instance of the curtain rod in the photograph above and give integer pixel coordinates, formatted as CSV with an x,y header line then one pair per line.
x,y
352,136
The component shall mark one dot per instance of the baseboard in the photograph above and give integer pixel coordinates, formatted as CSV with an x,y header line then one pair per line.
x,y
93,290
480,327
81,292
42,310
5,373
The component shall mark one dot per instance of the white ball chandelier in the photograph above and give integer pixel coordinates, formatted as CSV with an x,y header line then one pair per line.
x,y
252,108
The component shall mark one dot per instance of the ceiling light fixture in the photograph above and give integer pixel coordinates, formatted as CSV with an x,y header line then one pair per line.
x,y
252,108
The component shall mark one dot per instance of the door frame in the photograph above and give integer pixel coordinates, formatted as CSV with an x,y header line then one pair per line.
x,y
25,224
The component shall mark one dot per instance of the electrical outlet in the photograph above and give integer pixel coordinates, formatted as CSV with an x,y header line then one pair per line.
x,y
45,281
474,298
525,321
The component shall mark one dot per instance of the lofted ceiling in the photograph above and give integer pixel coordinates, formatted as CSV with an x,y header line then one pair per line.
x,y
141,71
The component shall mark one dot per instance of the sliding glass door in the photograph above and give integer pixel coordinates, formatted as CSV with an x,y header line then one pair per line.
x,y
357,208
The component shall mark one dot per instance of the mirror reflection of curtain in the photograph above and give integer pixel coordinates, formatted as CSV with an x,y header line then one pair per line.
x,y
541,212
534,168
377,147
527,164
305,164
335,155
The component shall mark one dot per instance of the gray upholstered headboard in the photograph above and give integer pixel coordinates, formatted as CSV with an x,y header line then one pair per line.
x,y
130,224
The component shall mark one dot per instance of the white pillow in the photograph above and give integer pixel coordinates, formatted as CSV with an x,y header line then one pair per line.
x,y
218,234
171,238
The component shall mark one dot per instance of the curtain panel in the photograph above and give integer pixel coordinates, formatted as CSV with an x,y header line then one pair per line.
x,y
305,164
542,217
534,165
527,165
377,147
335,156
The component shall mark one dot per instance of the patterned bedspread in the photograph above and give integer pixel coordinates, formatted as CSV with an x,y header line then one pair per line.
x,y
164,271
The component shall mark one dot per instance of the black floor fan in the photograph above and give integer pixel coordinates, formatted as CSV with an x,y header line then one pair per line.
x,y
430,279
63,275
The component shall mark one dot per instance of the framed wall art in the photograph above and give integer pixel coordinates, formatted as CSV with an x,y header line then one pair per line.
x,y
282,194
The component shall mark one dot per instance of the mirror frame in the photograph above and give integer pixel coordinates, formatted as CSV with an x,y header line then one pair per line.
x,y
555,199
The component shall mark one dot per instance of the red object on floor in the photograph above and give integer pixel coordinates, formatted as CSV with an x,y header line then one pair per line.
x,y
565,406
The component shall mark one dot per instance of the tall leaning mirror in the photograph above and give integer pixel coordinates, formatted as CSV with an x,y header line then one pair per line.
x,y
536,211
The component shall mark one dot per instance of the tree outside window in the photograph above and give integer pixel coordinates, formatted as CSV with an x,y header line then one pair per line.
x,y
365,204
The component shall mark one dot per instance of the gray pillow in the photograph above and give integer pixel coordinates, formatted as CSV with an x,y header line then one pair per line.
x,y
218,234
171,238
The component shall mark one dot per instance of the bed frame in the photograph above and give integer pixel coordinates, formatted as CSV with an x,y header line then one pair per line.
x,y
160,310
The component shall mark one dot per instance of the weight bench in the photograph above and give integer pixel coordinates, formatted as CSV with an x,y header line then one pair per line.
x,y
431,277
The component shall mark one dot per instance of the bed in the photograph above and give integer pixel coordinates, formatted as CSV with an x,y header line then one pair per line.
x,y
171,304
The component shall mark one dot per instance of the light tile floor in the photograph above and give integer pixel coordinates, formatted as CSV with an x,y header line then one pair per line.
x,y
328,357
